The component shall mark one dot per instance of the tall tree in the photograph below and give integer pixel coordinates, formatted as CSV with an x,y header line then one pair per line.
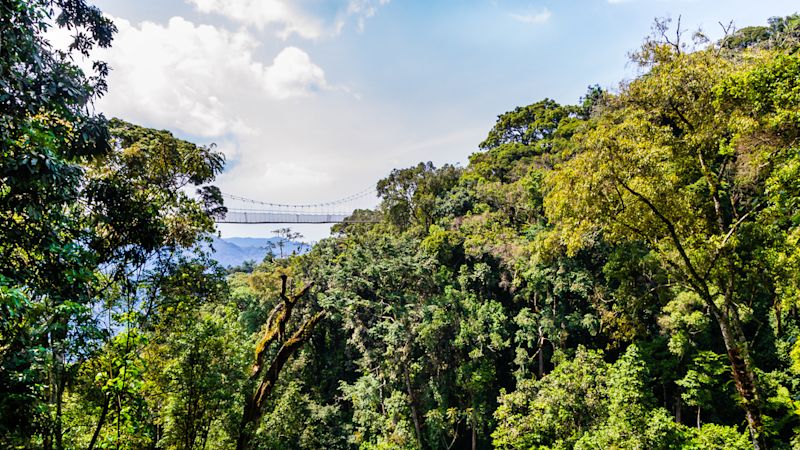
x,y
683,159
85,206
267,377
47,131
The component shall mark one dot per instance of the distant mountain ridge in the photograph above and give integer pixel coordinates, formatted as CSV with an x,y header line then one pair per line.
x,y
234,251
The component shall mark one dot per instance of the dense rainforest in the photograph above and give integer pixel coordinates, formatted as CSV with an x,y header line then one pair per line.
x,y
619,273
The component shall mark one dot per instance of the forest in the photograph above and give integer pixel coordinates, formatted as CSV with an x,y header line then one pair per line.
x,y
620,273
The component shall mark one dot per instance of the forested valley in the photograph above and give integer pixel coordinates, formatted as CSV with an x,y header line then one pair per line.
x,y
619,273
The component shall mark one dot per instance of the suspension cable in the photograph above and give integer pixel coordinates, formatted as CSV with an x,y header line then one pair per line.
x,y
358,195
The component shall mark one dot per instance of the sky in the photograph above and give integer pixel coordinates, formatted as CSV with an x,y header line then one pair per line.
x,y
314,100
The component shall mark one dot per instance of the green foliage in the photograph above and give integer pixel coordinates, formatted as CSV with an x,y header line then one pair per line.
x,y
46,135
684,160
684,321
700,379
410,195
586,403
381,420
298,421
528,125
84,205
781,32
622,273
556,409
717,436
197,379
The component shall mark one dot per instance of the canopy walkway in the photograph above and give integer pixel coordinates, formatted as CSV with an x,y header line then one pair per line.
x,y
245,210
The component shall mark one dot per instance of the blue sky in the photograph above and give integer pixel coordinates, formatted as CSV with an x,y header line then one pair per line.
x,y
313,100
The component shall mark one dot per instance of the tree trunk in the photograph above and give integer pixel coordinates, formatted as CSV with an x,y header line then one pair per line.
x,y
474,438
100,422
727,318
412,401
541,354
253,408
57,382
698,417
742,369
59,403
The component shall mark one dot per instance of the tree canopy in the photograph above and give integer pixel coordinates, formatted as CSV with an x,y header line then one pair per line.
x,y
618,273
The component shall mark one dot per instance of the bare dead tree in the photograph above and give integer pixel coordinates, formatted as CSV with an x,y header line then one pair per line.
x,y
275,333
661,28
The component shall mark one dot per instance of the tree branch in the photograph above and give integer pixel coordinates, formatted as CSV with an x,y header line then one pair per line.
x,y
276,324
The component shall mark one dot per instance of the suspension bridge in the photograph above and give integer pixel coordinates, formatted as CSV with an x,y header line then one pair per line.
x,y
243,210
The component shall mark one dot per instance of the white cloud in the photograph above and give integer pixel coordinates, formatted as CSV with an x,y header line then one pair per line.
x,y
191,77
290,135
293,74
289,17
262,13
534,17
363,10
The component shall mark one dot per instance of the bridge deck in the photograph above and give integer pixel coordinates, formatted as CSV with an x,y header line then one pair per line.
x,y
276,217
234,216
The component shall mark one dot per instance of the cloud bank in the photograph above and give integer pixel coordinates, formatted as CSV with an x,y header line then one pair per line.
x,y
293,17
538,17
191,77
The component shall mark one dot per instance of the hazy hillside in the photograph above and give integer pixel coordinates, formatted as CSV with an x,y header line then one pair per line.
x,y
236,250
